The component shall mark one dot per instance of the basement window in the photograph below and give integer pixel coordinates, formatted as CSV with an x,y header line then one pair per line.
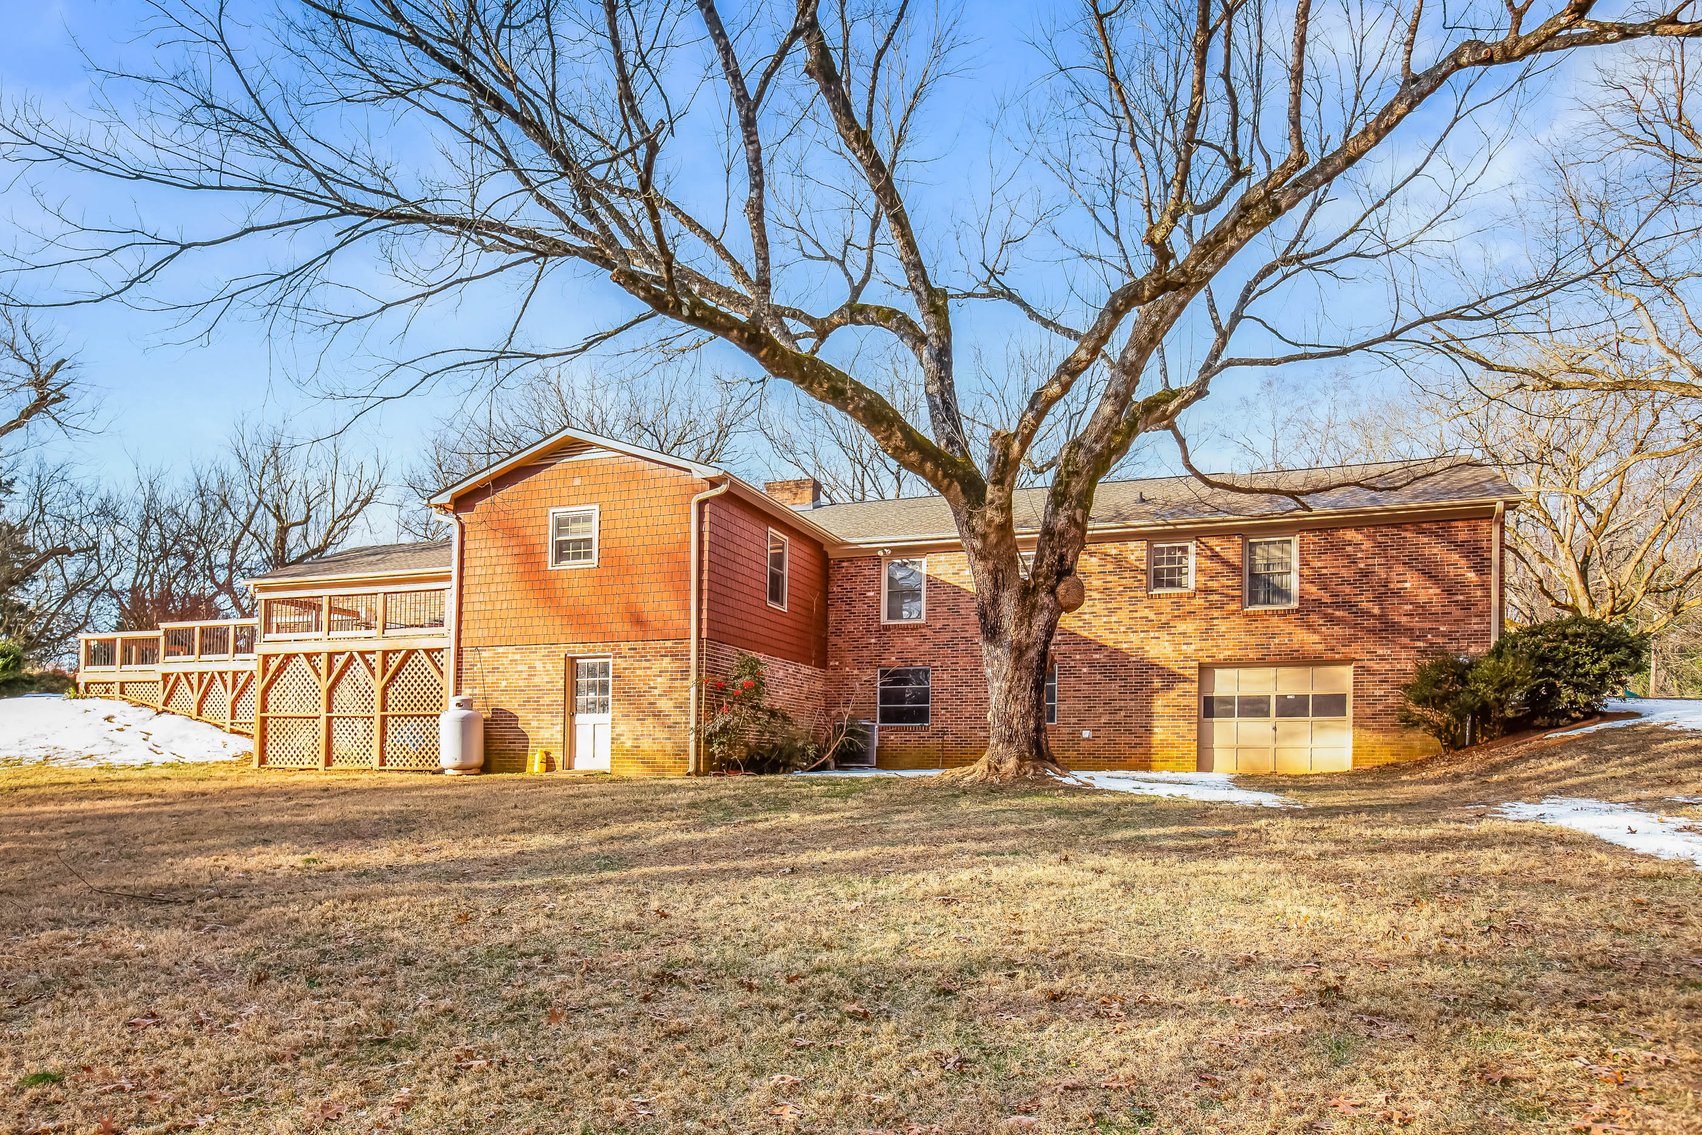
x,y
906,695
779,560
573,537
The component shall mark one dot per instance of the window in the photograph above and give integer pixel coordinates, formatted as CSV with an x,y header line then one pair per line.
x,y
573,537
1271,572
779,551
905,695
1025,564
1052,695
1170,567
903,598
592,686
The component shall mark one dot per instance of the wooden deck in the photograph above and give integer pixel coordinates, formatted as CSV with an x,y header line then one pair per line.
x,y
346,677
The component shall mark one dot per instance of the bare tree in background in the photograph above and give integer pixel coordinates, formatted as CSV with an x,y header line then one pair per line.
x,y
1613,527
271,502
1185,172
811,439
670,411
164,529
56,545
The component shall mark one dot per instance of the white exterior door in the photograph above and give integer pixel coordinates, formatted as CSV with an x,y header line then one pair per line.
x,y
1276,718
593,682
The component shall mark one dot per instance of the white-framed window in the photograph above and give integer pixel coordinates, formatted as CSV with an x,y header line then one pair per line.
x,y
1170,566
573,537
779,564
1273,572
1025,563
904,591
1052,695
905,695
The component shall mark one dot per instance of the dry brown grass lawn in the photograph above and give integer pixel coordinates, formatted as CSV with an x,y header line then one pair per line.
x,y
354,953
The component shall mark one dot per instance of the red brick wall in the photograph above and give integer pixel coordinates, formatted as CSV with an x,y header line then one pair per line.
x,y
736,585
795,687
1377,597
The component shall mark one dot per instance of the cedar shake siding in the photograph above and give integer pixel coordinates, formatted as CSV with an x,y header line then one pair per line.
x,y
1378,597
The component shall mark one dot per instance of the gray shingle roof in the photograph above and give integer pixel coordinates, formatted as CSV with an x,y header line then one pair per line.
x,y
376,559
1160,501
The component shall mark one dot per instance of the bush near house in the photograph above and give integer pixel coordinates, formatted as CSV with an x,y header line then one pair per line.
x,y
1540,676
742,733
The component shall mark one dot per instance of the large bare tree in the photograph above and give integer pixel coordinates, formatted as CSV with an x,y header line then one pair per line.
x,y
1182,181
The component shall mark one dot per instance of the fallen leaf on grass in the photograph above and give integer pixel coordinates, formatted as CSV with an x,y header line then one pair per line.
x,y
782,1080
853,1009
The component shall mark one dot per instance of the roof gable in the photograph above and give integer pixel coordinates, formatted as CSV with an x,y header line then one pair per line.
x,y
567,442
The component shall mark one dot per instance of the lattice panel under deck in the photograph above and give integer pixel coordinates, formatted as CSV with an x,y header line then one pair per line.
x,y
351,742
410,741
182,697
292,742
243,713
295,689
147,693
100,689
417,686
353,692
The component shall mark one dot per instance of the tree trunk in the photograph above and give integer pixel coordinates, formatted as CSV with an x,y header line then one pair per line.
x,y
1018,618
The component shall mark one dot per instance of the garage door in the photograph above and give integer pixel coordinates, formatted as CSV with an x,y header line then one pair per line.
x,y
1276,718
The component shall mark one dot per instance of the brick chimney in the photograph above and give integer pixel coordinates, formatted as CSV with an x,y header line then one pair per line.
x,y
801,494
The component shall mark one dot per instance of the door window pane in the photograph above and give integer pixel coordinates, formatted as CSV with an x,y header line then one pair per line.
x,y
591,682
1294,705
906,693
904,591
1257,705
1270,573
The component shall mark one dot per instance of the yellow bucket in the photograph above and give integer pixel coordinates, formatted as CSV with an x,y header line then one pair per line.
x,y
540,761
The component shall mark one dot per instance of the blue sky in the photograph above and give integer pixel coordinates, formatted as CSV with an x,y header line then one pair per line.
x,y
167,402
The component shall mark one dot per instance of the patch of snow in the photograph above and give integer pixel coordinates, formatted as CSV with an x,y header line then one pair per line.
x,y
92,732
1622,824
1214,787
1674,713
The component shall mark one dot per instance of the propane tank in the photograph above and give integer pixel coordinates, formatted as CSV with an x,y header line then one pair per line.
x,y
461,738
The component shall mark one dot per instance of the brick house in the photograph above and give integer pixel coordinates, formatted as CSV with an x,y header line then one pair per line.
x,y
586,582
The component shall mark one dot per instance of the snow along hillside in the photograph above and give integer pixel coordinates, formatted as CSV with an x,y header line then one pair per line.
x,y
91,732
1675,713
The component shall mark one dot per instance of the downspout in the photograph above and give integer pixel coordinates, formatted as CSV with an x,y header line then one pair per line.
x,y
1497,598
696,617
452,664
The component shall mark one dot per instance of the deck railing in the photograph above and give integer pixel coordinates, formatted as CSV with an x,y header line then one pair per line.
x,y
172,645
